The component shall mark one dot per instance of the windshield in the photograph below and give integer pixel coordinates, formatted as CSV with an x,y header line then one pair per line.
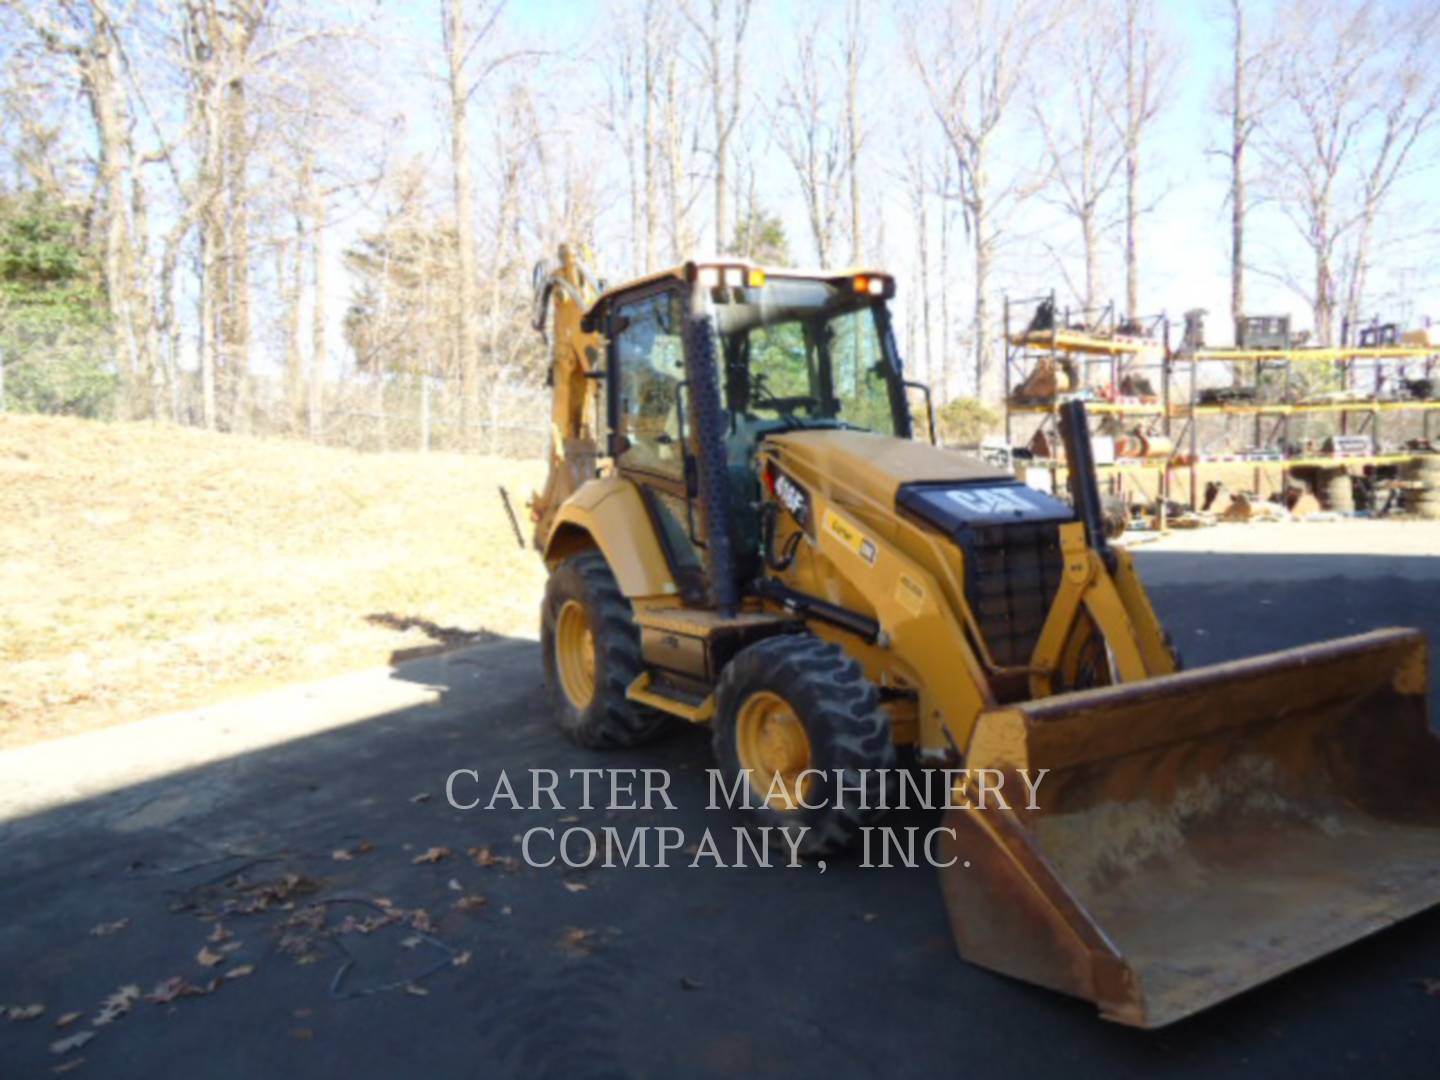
x,y
807,353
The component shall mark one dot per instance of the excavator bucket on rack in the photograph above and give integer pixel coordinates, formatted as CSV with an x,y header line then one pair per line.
x,y
1200,833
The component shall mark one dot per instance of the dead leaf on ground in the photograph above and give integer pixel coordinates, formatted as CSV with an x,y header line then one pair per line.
x,y
576,941
67,1066
177,986
240,971
576,886
416,989
470,903
461,960
411,942
431,855
483,856
73,1042
68,1019
24,1012
105,929
420,920
166,991
341,855
206,958
219,933
454,886
116,1005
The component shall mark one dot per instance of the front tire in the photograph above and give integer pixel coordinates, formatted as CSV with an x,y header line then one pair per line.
x,y
592,654
791,713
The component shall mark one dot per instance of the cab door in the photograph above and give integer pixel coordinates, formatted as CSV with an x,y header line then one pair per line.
x,y
648,424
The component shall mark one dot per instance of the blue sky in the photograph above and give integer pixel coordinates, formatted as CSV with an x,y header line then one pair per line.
x,y
1184,242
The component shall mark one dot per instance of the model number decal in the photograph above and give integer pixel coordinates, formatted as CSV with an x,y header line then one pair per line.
x,y
851,537
793,498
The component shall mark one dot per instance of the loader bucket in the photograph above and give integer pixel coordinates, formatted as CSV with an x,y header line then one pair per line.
x,y
1200,833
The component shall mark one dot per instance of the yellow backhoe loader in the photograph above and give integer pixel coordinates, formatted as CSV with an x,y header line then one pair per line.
x,y
741,532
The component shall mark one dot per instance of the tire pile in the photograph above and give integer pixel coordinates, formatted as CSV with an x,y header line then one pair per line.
x,y
1423,500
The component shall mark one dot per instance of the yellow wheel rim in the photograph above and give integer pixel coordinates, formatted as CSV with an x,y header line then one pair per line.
x,y
773,746
575,654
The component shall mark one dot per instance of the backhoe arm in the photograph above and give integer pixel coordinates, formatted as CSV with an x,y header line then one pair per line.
x,y
574,355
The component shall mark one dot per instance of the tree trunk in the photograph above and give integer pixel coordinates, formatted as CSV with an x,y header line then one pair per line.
x,y
292,296
1090,239
1134,109
209,286
102,81
467,294
142,301
1355,287
852,126
319,322
923,241
1324,306
722,129
947,330
1238,124
237,308
650,53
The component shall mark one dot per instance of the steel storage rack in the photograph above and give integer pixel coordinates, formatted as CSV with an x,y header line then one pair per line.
x,y
1113,363
1366,376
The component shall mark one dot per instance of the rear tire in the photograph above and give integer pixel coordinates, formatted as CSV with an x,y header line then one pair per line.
x,y
591,648
766,691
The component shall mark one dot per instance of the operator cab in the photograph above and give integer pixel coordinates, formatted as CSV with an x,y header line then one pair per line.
x,y
747,352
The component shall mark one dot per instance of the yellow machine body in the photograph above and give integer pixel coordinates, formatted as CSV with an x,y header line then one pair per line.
x,y
1195,832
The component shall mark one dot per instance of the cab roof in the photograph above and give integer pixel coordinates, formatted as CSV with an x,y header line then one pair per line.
x,y
684,271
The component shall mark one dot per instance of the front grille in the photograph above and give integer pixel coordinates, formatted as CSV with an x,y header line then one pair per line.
x,y
1012,573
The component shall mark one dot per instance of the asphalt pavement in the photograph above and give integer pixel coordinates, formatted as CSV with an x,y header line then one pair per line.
x,y
382,932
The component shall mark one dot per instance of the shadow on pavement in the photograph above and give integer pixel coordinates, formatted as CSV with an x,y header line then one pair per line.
x,y
622,971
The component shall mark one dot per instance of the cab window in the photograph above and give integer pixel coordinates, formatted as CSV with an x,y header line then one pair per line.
x,y
649,352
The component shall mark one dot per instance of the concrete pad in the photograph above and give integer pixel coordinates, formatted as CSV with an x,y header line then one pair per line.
x,y
617,972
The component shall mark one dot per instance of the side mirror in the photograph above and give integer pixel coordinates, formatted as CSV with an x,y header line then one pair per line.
x,y
924,388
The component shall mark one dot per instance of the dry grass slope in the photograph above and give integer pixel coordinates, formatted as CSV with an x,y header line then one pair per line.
x,y
147,568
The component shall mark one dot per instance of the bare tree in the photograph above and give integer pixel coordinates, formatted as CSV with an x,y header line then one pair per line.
x,y
1251,64
458,46
722,31
1146,60
971,59
812,141
87,34
1073,106
1337,144
470,60
854,51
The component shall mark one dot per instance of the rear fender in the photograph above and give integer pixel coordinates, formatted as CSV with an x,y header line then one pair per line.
x,y
608,514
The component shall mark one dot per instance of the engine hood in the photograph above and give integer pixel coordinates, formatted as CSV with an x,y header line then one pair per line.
x,y
877,466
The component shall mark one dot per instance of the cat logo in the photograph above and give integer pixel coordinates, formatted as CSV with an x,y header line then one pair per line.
x,y
990,501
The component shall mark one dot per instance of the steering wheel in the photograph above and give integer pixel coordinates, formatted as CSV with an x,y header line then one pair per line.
x,y
783,405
